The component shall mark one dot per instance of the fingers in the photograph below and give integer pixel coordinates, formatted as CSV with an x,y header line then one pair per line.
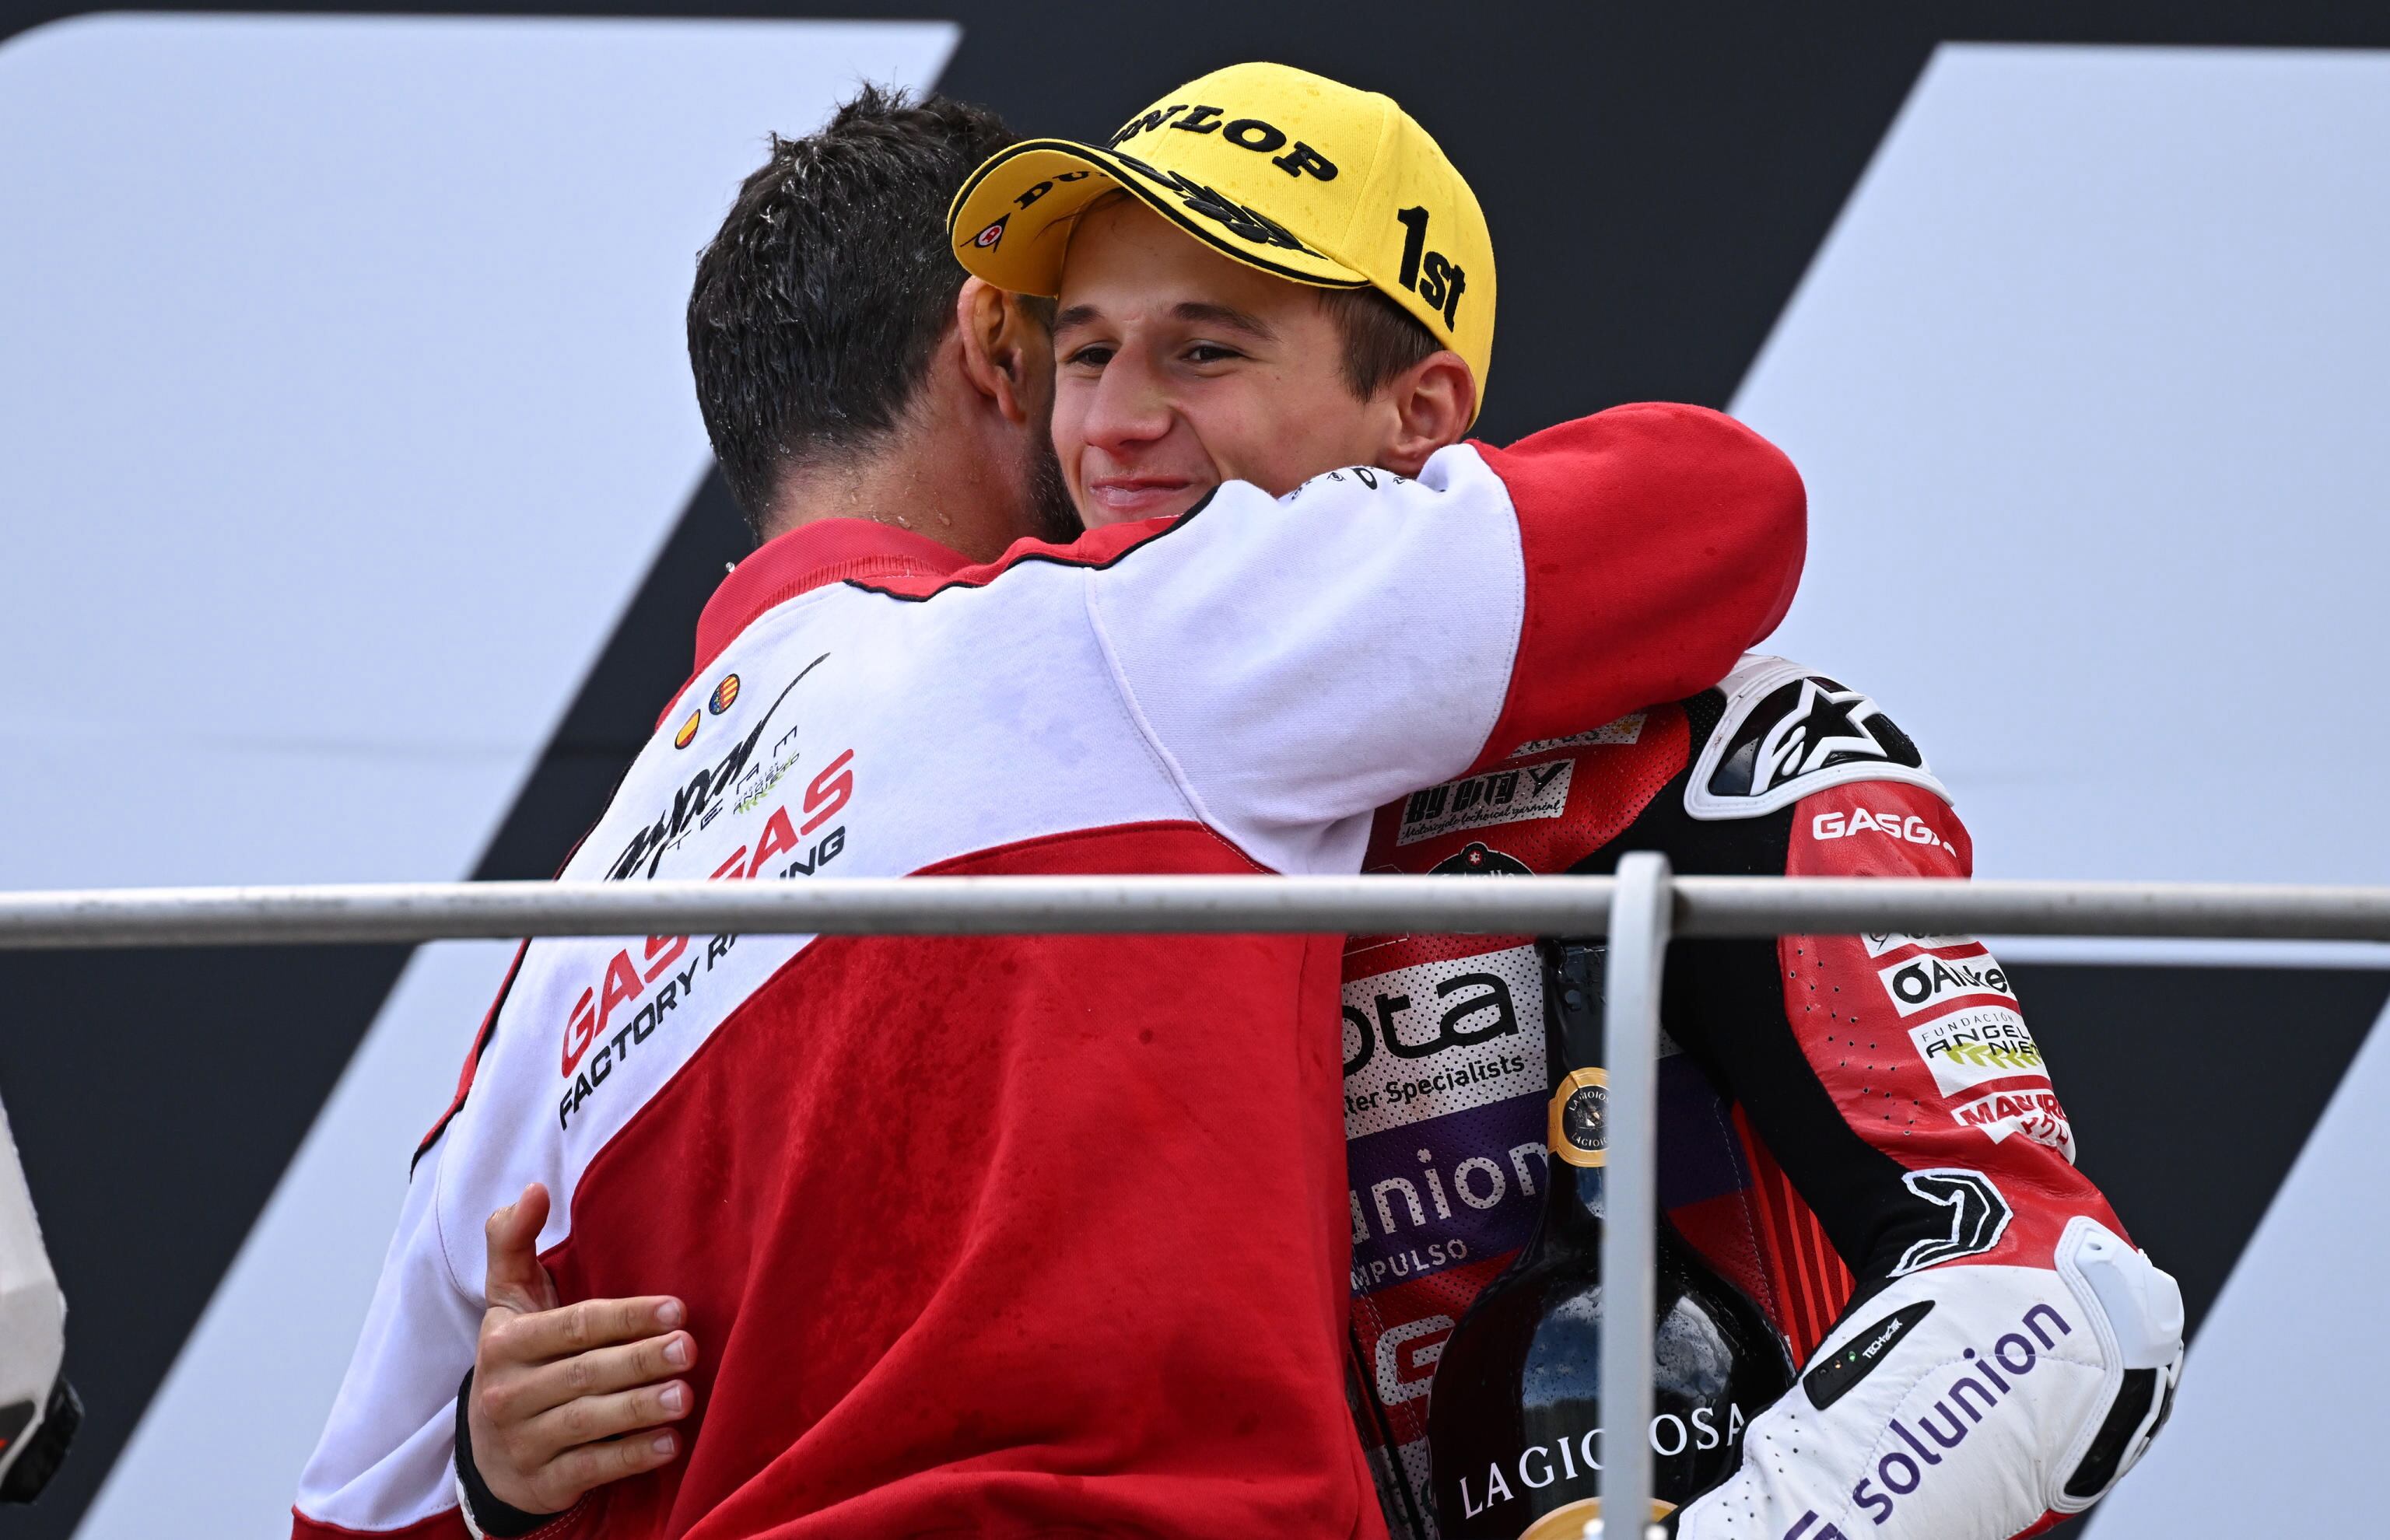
x,y
592,1418
599,1371
575,1329
562,1397
592,1464
514,1279
543,1459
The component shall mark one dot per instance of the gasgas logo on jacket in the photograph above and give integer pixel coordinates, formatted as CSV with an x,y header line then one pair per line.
x,y
641,994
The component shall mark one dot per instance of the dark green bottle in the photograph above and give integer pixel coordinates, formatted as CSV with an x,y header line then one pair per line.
x,y
1514,1417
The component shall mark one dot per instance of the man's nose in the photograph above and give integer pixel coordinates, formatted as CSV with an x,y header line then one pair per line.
x,y
1129,407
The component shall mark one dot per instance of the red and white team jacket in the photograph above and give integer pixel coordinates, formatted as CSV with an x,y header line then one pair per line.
x,y
1858,1131
1012,1235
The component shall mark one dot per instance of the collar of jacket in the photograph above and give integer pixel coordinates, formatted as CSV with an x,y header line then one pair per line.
x,y
809,556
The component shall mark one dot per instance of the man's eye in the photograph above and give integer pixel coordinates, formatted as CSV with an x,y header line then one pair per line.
x,y
1095,355
1211,352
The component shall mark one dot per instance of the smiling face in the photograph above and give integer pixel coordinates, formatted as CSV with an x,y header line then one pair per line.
x,y
1177,368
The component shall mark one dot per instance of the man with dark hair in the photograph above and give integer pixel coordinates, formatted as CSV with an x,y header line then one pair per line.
x,y
814,321
1007,1235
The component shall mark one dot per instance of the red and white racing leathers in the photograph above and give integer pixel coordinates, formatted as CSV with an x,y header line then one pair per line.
x,y
1011,1233
1858,1131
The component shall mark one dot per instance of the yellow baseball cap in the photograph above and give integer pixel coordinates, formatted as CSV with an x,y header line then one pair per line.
x,y
1285,170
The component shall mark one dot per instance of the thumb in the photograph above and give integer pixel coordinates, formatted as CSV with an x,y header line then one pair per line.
x,y
516,1280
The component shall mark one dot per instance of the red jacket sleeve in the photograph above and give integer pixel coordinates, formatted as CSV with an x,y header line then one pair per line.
x,y
1660,542
1921,1043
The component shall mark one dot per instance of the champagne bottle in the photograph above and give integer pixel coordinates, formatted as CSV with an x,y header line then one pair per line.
x,y
1514,1421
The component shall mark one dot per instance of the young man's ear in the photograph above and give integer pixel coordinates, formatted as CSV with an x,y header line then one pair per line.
x,y
1434,402
1006,354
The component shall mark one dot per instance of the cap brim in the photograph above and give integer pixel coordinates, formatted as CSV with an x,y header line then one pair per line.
x,y
1021,247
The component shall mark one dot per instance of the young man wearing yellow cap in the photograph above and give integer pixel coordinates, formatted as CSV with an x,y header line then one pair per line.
x,y
1251,353
1379,315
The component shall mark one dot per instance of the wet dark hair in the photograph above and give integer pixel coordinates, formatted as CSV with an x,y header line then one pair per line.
x,y
821,300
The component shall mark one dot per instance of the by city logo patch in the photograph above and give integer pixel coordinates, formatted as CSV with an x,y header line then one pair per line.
x,y
1482,801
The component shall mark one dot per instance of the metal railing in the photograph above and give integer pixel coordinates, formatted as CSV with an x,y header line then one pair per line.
x,y
1641,910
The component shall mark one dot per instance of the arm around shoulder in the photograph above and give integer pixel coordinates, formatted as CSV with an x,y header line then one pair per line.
x,y
1660,541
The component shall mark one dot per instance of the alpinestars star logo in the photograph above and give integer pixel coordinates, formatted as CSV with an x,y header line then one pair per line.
x,y
1824,720
1786,733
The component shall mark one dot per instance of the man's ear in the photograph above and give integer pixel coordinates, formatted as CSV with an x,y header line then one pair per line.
x,y
1434,402
1006,353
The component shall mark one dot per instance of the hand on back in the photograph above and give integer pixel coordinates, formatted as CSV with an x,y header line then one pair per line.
x,y
563,1395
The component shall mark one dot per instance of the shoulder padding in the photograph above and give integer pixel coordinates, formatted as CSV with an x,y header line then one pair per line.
x,y
1786,732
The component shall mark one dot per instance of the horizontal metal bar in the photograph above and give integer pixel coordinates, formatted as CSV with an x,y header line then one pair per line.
x,y
911,906
1019,906
1842,905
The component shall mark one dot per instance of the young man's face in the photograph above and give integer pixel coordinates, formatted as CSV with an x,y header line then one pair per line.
x,y
1177,369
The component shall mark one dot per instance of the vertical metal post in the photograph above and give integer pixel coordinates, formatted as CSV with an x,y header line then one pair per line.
x,y
1639,915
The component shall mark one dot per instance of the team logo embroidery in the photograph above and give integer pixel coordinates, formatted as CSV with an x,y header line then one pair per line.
x,y
691,806
724,695
986,239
